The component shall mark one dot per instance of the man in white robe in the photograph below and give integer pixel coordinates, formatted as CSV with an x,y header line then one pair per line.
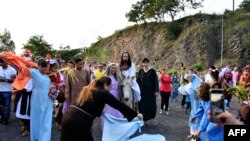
x,y
128,70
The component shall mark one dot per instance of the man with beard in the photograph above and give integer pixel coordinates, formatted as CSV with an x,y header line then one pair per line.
x,y
73,85
128,70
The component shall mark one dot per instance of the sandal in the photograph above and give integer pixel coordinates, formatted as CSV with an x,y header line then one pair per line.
x,y
22,129
189,136
25,133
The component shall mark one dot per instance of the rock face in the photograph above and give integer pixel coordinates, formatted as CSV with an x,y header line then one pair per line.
x,y
199,40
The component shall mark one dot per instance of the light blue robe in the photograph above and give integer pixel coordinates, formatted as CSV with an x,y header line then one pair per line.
x,y
209,130
194,102
213,132
149,137
119,129
41,107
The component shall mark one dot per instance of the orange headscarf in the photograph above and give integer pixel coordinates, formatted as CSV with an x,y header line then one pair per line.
x,y
22,66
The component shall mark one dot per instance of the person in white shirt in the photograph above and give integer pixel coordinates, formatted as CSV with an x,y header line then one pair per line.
x,y
235,73
208,76
7,76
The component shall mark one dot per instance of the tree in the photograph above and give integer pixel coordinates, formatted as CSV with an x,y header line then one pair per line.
x,y
65,48
156,9
67,53
136,14
245,5
38,46
6,44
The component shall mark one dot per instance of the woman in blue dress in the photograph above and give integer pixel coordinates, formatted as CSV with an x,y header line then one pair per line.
x,y
41,103
194,82
41,100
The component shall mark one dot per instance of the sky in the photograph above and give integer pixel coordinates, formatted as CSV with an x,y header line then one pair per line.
x,y
77,23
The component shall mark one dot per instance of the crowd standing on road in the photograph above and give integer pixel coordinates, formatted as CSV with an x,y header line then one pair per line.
x,y
73,93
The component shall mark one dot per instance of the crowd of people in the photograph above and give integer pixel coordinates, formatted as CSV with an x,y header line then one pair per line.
x,y
74,93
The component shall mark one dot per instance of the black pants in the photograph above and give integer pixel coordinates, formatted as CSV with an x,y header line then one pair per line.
x,y
183,100
76,126
26,122
165,99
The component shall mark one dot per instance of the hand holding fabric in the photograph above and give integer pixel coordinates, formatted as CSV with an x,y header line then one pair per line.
x,y
140,116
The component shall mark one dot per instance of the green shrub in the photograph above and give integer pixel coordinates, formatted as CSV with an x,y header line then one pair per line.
x,y
173,31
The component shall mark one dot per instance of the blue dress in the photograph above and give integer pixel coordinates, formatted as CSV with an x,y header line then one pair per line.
x,y
209,130
201,113
194,103
41,107
194,108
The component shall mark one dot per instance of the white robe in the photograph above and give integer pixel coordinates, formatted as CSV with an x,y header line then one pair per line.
x,y
28,88
135,87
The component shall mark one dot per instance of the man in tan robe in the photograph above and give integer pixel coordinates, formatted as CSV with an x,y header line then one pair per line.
x,y
73,86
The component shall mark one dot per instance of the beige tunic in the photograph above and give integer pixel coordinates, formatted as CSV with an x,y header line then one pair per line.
x,y
74,86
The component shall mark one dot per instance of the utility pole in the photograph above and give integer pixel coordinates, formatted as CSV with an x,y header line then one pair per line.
x,y
222,42
233,5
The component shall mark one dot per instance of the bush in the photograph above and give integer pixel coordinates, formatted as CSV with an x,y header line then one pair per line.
x,y
173,31
199,67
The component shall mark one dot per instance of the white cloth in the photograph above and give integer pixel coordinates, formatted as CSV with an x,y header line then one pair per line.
x,y
181,90
18,115
235,77
6,73
208,78
135,87
27,58
187,88
29,86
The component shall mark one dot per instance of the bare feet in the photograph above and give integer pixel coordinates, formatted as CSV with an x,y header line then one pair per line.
x,y
25,133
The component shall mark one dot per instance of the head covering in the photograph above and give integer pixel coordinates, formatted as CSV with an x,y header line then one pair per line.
x,y
248,66
224,71
196,81
187,76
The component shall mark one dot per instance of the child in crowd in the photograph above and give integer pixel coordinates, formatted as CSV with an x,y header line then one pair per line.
x,y
53,92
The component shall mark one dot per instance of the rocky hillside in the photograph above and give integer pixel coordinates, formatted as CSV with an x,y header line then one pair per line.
x,y
188,40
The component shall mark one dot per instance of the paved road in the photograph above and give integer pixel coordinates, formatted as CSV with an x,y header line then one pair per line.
x,y
173,126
